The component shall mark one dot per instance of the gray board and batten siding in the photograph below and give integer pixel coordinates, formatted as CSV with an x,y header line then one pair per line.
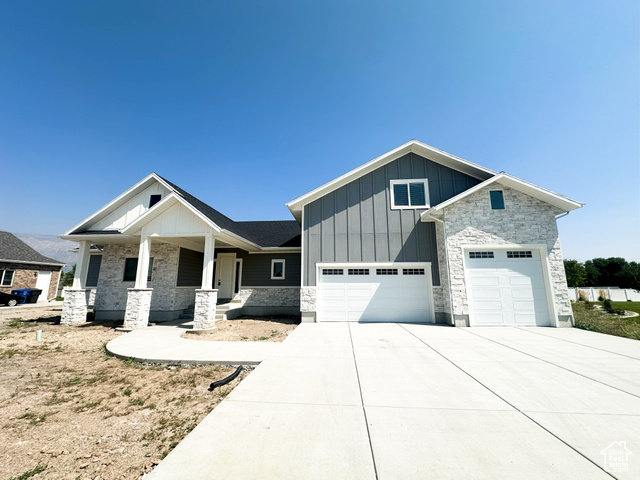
x,y
256,268
355,223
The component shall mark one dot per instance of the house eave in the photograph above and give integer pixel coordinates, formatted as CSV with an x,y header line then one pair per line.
x,y
28,262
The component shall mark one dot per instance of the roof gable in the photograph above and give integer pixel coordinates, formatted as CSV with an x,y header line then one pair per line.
x,y
413,146
15,250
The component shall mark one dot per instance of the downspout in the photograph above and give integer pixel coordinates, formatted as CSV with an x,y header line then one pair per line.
x,y
562,215
446,260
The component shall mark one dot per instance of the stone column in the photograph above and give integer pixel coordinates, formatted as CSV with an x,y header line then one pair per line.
x,y
136,314
74,308
204,314
308,304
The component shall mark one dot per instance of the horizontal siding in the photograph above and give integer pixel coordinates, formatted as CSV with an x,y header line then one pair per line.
x,y
93,272
355,223
190,268
256,270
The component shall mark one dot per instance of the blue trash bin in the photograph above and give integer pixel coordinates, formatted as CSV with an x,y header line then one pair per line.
x,y
22,292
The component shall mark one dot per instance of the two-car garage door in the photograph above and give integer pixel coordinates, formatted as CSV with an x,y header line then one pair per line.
x,y
375,293
506,287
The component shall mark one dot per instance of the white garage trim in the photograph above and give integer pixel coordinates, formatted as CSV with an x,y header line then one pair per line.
x,y
546,273
375,265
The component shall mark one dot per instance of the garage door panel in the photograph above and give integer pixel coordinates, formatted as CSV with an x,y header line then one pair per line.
x,y
506,289
386,297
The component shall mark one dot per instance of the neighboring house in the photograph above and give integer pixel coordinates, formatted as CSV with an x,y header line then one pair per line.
x,y
416,235
22,267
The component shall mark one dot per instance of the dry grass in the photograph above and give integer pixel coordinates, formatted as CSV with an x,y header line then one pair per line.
x,y
66,405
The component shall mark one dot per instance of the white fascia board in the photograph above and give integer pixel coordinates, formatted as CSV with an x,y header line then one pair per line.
x,y
563,203
50,264
116,201
414,146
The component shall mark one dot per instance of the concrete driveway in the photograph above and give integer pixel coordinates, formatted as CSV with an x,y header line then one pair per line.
x,y
393,401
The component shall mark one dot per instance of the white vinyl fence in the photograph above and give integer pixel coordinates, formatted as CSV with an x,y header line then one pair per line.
x,y
613,293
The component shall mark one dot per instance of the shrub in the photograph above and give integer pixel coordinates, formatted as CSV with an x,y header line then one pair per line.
x,y
602,295
607,305
582,296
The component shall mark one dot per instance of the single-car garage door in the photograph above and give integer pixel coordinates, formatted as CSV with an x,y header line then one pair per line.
x,y
506,287
375,293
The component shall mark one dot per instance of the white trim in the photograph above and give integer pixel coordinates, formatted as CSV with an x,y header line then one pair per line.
x,y
283,250
428,266
33,263
558,201
303,251
546,272
413,146
273,261
425,183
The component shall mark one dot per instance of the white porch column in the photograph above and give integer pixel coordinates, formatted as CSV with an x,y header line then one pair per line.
x,y
82,265
204,315
74,308
136,314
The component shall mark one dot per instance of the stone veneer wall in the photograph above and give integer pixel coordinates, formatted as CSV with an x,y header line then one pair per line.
x,y
268,297
111,292
525,220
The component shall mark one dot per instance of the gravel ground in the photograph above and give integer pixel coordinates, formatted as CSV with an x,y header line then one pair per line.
x,y
68,407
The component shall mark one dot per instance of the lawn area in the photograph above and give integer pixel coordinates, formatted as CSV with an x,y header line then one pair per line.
x,y
596,320
631,306
70,411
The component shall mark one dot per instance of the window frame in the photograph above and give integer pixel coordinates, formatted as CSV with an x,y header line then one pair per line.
x,y
504,205
149,273
407,181
273,262
3,276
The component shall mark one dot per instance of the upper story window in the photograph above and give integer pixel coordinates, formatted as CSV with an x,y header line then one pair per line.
x,y
409,194
6,278
497,199
153,199
277,269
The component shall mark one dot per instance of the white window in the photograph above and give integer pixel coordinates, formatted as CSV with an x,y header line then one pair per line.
x,y
6,278
277,269
409,193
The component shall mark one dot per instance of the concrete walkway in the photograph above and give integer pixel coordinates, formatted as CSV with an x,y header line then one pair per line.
x,y
164,344
389,401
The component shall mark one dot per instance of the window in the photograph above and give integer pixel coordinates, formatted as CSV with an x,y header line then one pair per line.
x,y
277,269
386,271
153,199
6,278
520,254
497,199
332,271
358,271
413,271
480,254
130,268
409,194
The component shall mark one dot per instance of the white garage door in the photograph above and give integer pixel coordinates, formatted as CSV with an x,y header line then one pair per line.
x,y
506,287
390,293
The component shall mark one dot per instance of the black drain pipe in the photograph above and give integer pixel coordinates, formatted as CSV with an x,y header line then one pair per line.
x,y
226,380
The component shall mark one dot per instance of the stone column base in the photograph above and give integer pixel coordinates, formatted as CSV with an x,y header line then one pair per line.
x,y
204,313
136,314
74,308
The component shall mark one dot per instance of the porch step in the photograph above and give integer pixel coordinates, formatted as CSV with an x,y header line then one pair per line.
x,y
188,310
186,316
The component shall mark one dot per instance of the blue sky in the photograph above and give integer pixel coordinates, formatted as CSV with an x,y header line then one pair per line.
x,y
248,105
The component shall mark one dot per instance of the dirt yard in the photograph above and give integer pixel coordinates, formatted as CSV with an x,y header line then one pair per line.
x,y
70,409
250,329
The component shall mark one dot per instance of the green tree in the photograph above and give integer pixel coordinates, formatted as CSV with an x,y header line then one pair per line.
x,y
593,274
575,272
67,277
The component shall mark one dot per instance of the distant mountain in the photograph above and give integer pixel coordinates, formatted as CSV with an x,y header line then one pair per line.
x,y
50,246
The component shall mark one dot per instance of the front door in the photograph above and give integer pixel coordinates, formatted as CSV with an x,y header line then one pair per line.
x,y
43,282
225,271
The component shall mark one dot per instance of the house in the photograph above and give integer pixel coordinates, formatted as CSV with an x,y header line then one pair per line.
x,y
22,267
415,235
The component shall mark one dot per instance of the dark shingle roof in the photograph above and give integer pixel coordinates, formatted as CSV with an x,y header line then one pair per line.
x,y
279,233
12,248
